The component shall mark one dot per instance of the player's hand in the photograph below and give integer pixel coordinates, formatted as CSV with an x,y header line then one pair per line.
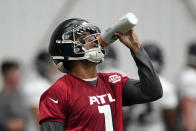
x,y
130,40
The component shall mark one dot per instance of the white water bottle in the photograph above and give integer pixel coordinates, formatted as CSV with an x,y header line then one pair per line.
x,y
124,24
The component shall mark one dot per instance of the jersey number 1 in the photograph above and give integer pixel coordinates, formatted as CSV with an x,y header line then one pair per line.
x,y
106,110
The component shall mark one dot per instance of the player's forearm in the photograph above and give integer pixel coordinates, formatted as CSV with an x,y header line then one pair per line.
x,y
188,109
35,112
189,122
52,126
150,83
169,117
148,88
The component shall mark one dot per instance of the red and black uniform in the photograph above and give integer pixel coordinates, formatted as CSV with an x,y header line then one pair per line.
x,y
72,104
82,106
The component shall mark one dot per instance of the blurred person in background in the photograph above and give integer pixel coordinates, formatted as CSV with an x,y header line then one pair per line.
x,y
38,82
159,115
187,89
111,61
12,110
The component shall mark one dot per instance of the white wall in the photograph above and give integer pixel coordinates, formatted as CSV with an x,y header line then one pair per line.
x,y
26,25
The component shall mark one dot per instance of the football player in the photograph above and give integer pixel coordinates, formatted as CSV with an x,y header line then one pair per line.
x,y
36,84
12,110
187,88
86,100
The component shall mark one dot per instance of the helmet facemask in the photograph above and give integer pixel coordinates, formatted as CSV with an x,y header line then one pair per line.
x,y
84,39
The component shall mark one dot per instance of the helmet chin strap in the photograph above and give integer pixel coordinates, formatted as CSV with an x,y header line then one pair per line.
x,y
94,55
61,67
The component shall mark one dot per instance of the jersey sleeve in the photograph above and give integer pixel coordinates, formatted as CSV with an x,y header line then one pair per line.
x,y
124,80
116,79
53,105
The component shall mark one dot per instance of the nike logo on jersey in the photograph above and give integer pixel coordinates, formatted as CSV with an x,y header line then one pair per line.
x,y
114,78
55,101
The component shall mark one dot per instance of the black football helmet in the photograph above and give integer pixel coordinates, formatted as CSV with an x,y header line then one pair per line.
x,y
65,47
43,63
192,53
155,54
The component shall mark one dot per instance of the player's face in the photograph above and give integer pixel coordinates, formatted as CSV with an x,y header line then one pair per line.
x,y
89,40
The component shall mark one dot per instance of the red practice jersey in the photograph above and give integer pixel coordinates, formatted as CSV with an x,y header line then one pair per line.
x,y
81,106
